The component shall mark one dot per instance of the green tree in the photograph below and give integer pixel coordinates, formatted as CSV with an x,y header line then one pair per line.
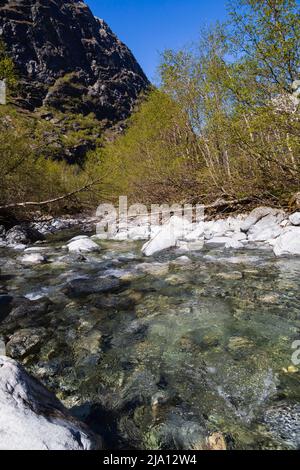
x,y
266,38
7,67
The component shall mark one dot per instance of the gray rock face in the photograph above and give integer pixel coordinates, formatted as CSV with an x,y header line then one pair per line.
x,y
32,418
22,234
70,60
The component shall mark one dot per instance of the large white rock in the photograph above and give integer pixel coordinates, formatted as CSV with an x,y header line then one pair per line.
x,y
259,213
266,229
215,229
235,222
175,229
82,245
239,236
32,418
288,243
295,218
197,233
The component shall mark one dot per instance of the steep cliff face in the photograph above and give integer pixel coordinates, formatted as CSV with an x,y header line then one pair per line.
x,y
68,59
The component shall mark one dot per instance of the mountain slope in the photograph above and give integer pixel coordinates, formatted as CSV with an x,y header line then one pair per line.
x,y
68,59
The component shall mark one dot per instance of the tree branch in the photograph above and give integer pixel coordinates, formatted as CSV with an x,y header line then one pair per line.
x,y
50,201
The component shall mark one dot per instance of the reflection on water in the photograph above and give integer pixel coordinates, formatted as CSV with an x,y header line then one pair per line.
x,y
170,353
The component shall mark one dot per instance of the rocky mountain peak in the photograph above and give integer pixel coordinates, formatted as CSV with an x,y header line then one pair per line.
x,y
69,59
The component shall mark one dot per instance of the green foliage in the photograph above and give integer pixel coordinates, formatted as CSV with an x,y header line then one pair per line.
x,y
224,123
7,68
266,36
227,103
27,171
150,161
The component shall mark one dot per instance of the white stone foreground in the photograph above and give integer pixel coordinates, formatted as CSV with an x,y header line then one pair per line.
x,y
32,418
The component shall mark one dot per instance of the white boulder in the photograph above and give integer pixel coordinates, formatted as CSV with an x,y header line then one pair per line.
x,y
175,229
295,218
288,243
32,418
82,245
197,233
33,258
259,213
215,229
266,229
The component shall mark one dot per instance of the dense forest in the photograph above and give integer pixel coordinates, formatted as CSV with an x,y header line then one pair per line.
x,y
222,124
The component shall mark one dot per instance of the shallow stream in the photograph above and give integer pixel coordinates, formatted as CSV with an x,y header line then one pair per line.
x,y
171,352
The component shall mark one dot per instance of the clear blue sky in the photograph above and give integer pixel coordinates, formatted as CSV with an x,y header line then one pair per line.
x,y
150,26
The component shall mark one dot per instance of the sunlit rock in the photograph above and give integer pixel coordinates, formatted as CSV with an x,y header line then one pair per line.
x,y
32,418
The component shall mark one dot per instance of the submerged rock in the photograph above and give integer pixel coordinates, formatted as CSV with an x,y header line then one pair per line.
x,y
25,313
5,305
84,287
155,269
113,302
283,421
25,342
32,418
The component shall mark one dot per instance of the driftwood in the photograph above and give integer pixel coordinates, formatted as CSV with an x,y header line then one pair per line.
x,y
49,201
223,204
